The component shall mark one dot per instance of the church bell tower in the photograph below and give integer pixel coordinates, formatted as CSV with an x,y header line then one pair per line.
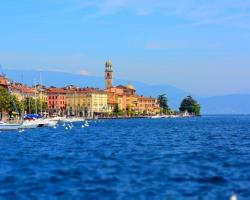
x,y
108,75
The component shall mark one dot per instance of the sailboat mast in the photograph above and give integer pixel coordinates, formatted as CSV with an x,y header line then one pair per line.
x,y
35,98
41,90
75,103
29,104
22,98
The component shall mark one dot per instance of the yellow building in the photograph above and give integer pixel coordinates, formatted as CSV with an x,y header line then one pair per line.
x,y
41,92
86,101
22,91
131,102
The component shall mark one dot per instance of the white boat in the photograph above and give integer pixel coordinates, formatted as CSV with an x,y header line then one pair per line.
x,y
174,116
56,118
156,117
7,127
46,122
50,122
72,119
30,124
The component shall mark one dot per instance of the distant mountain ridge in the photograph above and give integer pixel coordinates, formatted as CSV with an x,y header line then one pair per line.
x,y
224,104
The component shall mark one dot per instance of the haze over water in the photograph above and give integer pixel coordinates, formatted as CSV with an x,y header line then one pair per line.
x,y
192,158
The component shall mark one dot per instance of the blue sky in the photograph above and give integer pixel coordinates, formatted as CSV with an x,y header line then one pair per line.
x,y
198,45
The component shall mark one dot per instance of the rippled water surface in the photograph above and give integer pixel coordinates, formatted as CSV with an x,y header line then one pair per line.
x,y
196,158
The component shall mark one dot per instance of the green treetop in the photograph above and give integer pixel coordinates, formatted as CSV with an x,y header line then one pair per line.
x,y
163,102
190,105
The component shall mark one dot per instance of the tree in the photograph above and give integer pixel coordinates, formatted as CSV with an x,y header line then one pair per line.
x,y
4,100
145,112
163,102
15,106
190,105
30,104
42,106
9,103
197,109
129,110
116,109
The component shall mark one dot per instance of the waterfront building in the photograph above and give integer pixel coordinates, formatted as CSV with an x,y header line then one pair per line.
x,y
86,101
96,101
127,89
126,98
22,91
148,105
56,100
113,100
129,97
41,92
131,103
3,81
76,99
115,96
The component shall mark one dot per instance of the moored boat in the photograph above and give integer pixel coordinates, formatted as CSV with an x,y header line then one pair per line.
x,y
157,117
49,122
72,119
35,119
30,124
7,126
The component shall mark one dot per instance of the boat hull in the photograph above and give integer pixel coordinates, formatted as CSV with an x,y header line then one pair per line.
x,y
29,124
51,123
71,120
9,127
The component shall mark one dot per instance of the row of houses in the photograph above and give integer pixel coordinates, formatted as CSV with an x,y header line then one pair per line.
x,y
72,100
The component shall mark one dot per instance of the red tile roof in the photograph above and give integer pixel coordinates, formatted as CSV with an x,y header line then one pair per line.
x,y
53,90
21,88
3,81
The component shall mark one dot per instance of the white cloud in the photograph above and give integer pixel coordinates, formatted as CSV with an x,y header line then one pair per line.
x,y
51,70
83,72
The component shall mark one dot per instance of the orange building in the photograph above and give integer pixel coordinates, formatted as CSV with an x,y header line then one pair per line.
x,y
126,98
113,99
148,105
122,95
3,81
115,96
56,99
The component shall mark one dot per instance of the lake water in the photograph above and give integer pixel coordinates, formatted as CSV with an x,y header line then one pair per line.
x,y
195,158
